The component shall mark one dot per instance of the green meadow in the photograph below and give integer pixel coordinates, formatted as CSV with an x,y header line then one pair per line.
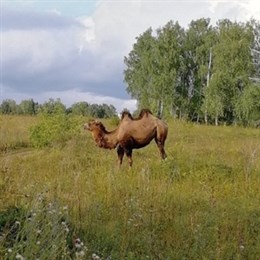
x,y
69,200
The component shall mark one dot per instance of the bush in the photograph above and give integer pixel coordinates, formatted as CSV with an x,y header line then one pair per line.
x,y
54,129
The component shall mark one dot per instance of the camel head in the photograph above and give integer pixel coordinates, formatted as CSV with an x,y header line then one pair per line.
x,y
94,125
98,131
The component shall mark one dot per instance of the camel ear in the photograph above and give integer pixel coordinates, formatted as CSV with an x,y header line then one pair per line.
x,y
86,126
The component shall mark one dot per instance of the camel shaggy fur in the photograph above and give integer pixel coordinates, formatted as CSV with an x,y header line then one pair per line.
x,y
131,133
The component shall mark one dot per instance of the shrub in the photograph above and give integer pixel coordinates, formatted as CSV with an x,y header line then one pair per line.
x,y
54,129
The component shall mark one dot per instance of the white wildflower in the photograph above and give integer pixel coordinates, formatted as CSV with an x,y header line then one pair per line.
x,y
78,246
9,250
95,257
78,243
40,197
80,253
19,257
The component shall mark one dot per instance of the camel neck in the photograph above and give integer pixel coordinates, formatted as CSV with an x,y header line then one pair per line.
x,y
110,139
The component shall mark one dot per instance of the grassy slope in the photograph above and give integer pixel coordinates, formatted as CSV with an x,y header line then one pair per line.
x,y
203,202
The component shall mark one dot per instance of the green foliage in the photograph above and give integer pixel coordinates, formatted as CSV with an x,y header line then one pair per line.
x,y
200,70
54,129
114,121
138,74
152,67
93,110
247,107
232,67
28,107
8,106
52,107
80,108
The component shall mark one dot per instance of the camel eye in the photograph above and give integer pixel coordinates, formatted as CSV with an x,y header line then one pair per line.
x,y
92,123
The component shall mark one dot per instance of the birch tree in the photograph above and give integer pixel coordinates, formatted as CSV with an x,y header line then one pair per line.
x,y
200,37
140,70
232,65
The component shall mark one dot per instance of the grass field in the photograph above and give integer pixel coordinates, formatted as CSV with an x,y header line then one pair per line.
x,y
71,200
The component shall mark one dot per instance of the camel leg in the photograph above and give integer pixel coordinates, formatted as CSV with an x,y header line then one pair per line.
x,y
129,156
120,154
160,145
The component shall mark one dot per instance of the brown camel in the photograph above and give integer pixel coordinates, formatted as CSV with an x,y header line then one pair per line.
x,y
131,133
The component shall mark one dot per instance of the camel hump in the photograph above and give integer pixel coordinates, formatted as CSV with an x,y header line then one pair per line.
x,y
145,112
126,113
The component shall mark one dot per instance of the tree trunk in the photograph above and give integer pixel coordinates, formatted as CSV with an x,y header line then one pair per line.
x,y
216,120
208,78
173,111
206,115
160,109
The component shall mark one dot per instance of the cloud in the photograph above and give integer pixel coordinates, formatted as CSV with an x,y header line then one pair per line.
x,y
73,57
13,19
71,96
251,8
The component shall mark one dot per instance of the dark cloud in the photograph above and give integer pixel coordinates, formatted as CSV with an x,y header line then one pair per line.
x,y
30,20
80,71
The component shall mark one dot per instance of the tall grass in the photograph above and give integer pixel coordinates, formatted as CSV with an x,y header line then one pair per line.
x,y
201,203
14,132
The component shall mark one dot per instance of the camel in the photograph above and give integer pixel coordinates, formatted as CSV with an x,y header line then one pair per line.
x,y
131,133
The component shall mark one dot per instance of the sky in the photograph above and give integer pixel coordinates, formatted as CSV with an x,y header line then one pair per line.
x,y
74,49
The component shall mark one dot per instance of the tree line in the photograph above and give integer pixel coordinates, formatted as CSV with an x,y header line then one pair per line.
x,y
203,73
52,106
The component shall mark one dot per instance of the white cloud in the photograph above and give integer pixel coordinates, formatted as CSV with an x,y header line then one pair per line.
x,y
71,96
89,34
252,9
